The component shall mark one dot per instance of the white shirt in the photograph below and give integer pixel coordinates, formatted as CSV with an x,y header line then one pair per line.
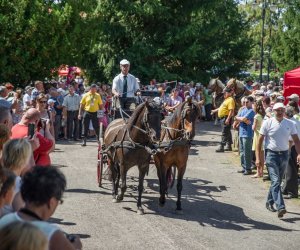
x,y
132,85
277,133
47,228
297,125
72,102
26,98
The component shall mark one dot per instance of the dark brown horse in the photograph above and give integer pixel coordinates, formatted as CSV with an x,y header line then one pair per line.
x,y
131,143
177,133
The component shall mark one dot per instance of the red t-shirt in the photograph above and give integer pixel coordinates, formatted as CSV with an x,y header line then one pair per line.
x,y
41,154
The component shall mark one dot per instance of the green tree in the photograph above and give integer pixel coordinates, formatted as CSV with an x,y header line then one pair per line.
x,y
286,50
172,39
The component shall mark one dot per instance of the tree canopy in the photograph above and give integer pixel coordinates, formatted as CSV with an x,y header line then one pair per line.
x,y
163,39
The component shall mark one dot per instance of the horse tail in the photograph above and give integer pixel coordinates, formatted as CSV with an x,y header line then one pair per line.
x,y
171,174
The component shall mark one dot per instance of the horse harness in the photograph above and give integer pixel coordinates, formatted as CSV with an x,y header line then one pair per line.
x,y
131,144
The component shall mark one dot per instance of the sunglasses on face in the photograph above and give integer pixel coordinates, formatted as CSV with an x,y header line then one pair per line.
x,y
43,101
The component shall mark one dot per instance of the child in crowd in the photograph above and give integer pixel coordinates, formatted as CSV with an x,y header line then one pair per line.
x,y
7,187
16,156
258,119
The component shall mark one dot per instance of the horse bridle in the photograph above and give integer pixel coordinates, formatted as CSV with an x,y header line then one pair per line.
x,y
183,115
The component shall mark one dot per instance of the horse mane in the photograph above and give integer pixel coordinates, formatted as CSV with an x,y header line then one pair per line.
x,y
135,115
240,84
177,112
220,84
217,81
150,105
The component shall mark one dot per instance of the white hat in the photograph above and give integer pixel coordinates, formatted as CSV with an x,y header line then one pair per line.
x,y
61,91
198,84
124,62
50,101
278,105
280,97
293,96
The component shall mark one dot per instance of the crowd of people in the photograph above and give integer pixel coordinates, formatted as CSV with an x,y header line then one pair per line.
x,y
268,134
32,120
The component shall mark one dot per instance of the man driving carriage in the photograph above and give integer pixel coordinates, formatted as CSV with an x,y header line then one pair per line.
x,y
125,88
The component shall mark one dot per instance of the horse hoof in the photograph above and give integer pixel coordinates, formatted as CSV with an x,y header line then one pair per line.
x,y
140,211
161,204
119,198
179,212
115,200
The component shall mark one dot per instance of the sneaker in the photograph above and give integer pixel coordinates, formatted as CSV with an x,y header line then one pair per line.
x,y
228,149
281,212
270,207
220,150
247,172
83,144
240,171
290,196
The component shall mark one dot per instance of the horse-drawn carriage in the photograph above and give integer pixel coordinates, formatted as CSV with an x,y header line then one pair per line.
x,y
133,141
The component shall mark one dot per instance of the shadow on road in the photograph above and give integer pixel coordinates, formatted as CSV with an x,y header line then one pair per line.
x,y
60,222
201,206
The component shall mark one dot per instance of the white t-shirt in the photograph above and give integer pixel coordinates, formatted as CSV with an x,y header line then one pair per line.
x,y
47,228
26,98
277,133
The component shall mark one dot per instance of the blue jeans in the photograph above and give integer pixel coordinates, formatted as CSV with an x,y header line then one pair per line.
x,y
276,163
246,152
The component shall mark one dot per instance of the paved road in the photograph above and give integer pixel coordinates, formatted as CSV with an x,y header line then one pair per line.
x,y
222,209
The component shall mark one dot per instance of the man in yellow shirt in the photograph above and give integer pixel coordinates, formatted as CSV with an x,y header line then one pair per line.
x,y
225,114
90,103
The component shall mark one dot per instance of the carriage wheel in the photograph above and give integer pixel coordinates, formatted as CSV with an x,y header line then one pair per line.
x,y
171,177
99,167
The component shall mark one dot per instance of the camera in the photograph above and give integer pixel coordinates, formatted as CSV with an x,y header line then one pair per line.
x,y
70,237
31,130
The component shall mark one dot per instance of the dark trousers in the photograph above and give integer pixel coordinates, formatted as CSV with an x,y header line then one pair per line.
x,y
208,108
226,132
87,117
127,104
57,126
72,124
290,180
80,128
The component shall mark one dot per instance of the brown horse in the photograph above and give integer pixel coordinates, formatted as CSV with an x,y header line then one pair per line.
x,y
179,130
216,87
239,89
131,143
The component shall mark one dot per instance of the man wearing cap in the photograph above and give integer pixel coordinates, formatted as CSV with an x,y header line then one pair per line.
x,y
276,131
125,87
91,102
294,97
225,114
255,86
248,85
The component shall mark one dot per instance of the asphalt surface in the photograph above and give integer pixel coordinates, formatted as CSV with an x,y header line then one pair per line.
x,y
222,209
